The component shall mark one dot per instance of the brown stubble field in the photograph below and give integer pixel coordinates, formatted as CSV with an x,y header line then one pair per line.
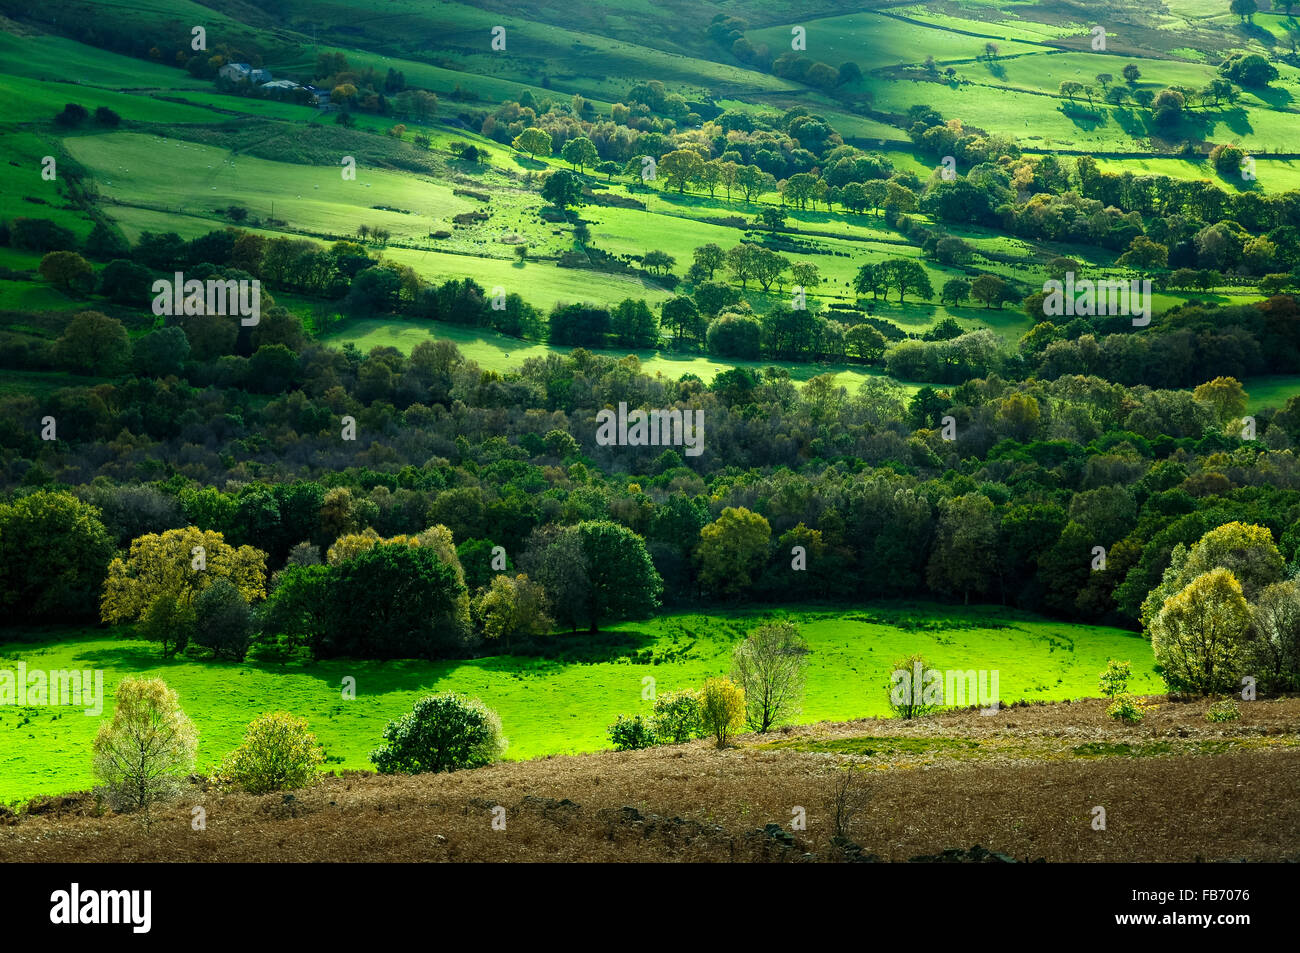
x,y
1022,782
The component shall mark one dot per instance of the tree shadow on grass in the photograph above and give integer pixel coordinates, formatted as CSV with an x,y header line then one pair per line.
x,y
703,201
1131,122
131,657
582,648
1256,32
1087,119
388,675
1276,96
1237,120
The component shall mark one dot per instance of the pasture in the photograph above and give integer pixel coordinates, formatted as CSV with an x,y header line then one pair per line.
x,y
560,702
502,354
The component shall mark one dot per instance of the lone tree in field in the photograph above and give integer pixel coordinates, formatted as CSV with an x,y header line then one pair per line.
x,y
68,270
562,188
955,290
580,153
990,290
806,275
145,753
681,167
906,275
769,666
773,217
710,258
658,262
915,688
722,709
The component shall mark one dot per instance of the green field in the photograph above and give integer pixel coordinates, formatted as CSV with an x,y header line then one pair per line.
x,y
558,704
171,175
502,354
1272,392
874,40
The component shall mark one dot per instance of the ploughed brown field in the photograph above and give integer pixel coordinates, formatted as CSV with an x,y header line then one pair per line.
x,y
1022,782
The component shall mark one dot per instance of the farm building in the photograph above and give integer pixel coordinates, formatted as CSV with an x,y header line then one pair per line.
x,y
240,72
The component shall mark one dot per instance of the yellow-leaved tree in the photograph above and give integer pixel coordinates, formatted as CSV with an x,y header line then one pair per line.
x,y
351,544
1246,550
1198,633
513,607
163,573
145,752
722,708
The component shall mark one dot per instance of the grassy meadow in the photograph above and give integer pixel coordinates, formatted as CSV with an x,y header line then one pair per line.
x,y
500,353
563,701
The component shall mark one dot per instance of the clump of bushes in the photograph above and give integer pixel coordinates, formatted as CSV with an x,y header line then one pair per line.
x,y
278,754
681,716
677,717
631,732
446,732
1225,709
1114,685
1127,708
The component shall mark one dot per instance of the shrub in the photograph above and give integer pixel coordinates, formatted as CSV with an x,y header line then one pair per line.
x,y
1223,710
144,754
630,732
40,234
1127,708
909,694
722,708
445,732
278,754
1114,681
74,114
677,717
